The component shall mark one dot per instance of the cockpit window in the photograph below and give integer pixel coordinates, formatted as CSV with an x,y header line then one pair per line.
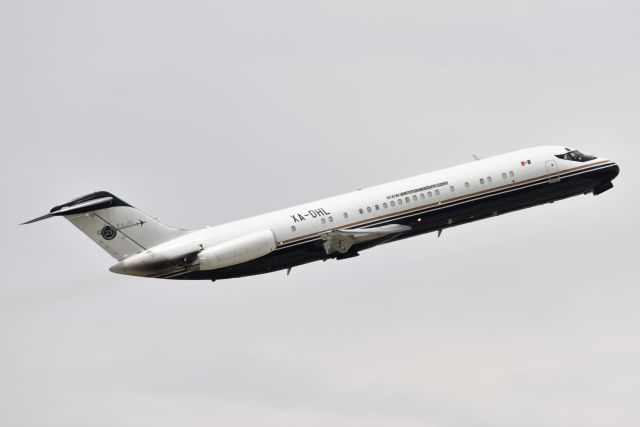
x,y
575,156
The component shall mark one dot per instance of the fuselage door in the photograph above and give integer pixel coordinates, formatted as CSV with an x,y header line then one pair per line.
x,y
552,171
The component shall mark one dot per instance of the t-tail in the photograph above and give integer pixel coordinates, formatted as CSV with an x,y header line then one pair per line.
x,y
116,226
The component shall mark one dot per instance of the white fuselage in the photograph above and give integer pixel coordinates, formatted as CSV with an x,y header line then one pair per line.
x,y
358,207
361,216
336,227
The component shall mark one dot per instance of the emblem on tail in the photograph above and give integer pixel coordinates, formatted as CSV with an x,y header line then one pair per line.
x,y
108,232
102,217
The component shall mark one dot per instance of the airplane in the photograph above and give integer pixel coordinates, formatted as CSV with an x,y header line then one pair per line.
x,y
337,227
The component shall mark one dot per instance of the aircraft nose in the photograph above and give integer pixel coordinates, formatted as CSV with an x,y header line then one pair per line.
x,y
604,177
614,171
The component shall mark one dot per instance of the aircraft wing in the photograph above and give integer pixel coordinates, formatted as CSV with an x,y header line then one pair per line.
x,y
342,240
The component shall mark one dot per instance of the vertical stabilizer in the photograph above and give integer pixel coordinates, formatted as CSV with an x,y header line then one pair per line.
x,y
116,226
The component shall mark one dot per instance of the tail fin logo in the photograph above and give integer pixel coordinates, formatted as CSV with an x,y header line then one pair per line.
x,y
108,232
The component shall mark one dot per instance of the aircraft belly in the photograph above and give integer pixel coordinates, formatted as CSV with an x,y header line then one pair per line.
x,y
431,220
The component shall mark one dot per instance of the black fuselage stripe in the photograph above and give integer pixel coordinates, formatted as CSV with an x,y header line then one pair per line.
x,y
445,205
479,197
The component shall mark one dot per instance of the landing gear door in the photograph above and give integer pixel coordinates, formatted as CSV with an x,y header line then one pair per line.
x,y
552,171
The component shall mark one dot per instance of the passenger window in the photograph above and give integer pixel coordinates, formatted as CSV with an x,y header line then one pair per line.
x,y
392,203
466,184
481,180
429,194
422,196
511,174
330,219
399,202
377,207
346,215
384,205
322,220
437,192
489,179
504,175
415,198
361,211
369,209
406,199
293,228
452,188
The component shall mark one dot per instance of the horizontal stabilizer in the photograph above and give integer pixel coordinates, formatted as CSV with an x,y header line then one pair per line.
x,y
40,218
342,240
116,226
88,206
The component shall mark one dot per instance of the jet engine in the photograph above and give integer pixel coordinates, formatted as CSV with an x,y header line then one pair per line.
x,y
236,251
166,260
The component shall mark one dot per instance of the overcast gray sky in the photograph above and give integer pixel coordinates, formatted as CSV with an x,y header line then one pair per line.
x,y
201,112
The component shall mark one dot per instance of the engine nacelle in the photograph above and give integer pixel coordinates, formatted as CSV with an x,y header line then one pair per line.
x,y
238,250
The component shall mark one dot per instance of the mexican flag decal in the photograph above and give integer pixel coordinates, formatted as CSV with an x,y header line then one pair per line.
x,y
525,162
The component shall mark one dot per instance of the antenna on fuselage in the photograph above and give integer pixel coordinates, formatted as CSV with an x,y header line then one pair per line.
x,y
475,157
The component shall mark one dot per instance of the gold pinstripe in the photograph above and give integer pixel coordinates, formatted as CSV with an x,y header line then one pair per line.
x,y
448,201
